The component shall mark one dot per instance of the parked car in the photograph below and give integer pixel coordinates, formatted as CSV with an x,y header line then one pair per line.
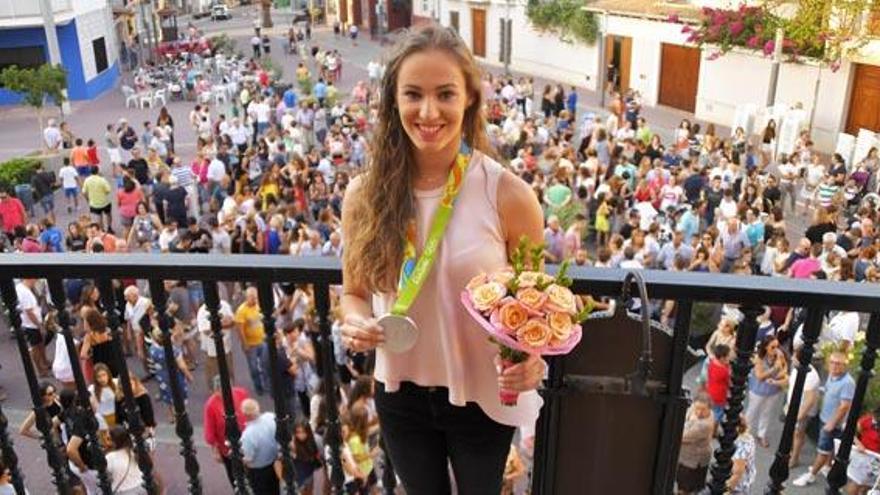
x,y
220,11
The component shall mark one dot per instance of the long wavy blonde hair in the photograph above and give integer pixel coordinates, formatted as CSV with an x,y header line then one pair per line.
x,y
385,205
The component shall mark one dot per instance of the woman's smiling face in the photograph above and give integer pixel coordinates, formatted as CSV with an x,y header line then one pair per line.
x,y
432,97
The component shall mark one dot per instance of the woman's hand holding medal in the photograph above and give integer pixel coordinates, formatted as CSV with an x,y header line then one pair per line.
x,y
361,334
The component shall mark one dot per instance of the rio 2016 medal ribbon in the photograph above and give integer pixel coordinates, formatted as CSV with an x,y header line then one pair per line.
x,y
401,332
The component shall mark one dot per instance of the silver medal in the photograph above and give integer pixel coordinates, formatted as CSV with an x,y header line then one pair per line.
x,y
401,333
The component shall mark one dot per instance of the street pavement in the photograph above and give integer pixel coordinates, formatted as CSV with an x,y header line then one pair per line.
x,y
19,134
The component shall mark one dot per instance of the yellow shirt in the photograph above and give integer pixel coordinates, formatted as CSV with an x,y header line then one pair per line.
x,y
361,454
252,319
98,190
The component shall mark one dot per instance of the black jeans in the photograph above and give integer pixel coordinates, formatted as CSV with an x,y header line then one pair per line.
x,y
424,432
264,480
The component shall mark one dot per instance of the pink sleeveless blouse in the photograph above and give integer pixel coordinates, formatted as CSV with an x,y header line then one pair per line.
x,y
452,350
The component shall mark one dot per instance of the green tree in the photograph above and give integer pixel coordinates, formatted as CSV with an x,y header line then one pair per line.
x,y
36,86
838,26
567,18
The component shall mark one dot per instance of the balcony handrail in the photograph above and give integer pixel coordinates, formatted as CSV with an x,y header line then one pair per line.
x,y
750,292
691,286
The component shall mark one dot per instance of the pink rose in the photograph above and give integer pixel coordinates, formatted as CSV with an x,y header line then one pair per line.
x,y
513,315
534,333
531,298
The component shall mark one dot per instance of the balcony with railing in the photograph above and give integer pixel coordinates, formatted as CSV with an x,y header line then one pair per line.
x,y
624,381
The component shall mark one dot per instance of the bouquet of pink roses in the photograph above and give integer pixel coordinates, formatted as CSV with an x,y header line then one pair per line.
x,y
526,311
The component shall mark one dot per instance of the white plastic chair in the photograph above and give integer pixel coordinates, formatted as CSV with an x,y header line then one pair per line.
x,y
146,98
160,95
219,93
131,97
231,89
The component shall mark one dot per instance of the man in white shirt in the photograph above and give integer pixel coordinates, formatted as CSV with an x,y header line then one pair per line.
x,y
206,339
32,323
261,112
70,183
238,133
52,136
137,308
215,175
333,247
842,330
373,72
309,244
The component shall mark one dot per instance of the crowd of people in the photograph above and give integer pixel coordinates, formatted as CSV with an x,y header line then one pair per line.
x,y
268,175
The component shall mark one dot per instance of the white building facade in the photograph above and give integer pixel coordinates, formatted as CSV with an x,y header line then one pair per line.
x,y
86,38
653,57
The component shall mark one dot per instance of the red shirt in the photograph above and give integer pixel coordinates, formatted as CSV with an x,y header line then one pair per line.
x,y
93,155
12,213
215,419
869,434
718,381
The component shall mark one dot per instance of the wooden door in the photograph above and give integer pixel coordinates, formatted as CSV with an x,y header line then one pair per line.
x,y
618,52
626,45
679,76
864,101
356,13
343,12
478,32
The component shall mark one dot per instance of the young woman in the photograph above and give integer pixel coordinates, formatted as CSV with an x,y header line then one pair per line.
x,y
122,466
53,409
103,394
163,374
306,456
76,240
145,228
766,381
438,399
97,346
744,468
357,458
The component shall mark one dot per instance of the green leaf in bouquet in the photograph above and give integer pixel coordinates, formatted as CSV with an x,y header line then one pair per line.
x,y
512,355
584,313
536,256
562,277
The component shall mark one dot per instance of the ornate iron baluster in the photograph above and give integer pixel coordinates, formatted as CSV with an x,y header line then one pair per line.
x,y
84,406
675,410
837,476
333,437
779,471
233,434
8,452
50,442
132,411
279,394
182,425
742,365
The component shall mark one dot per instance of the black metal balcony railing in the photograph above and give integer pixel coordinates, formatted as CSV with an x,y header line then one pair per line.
x,y
751,293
